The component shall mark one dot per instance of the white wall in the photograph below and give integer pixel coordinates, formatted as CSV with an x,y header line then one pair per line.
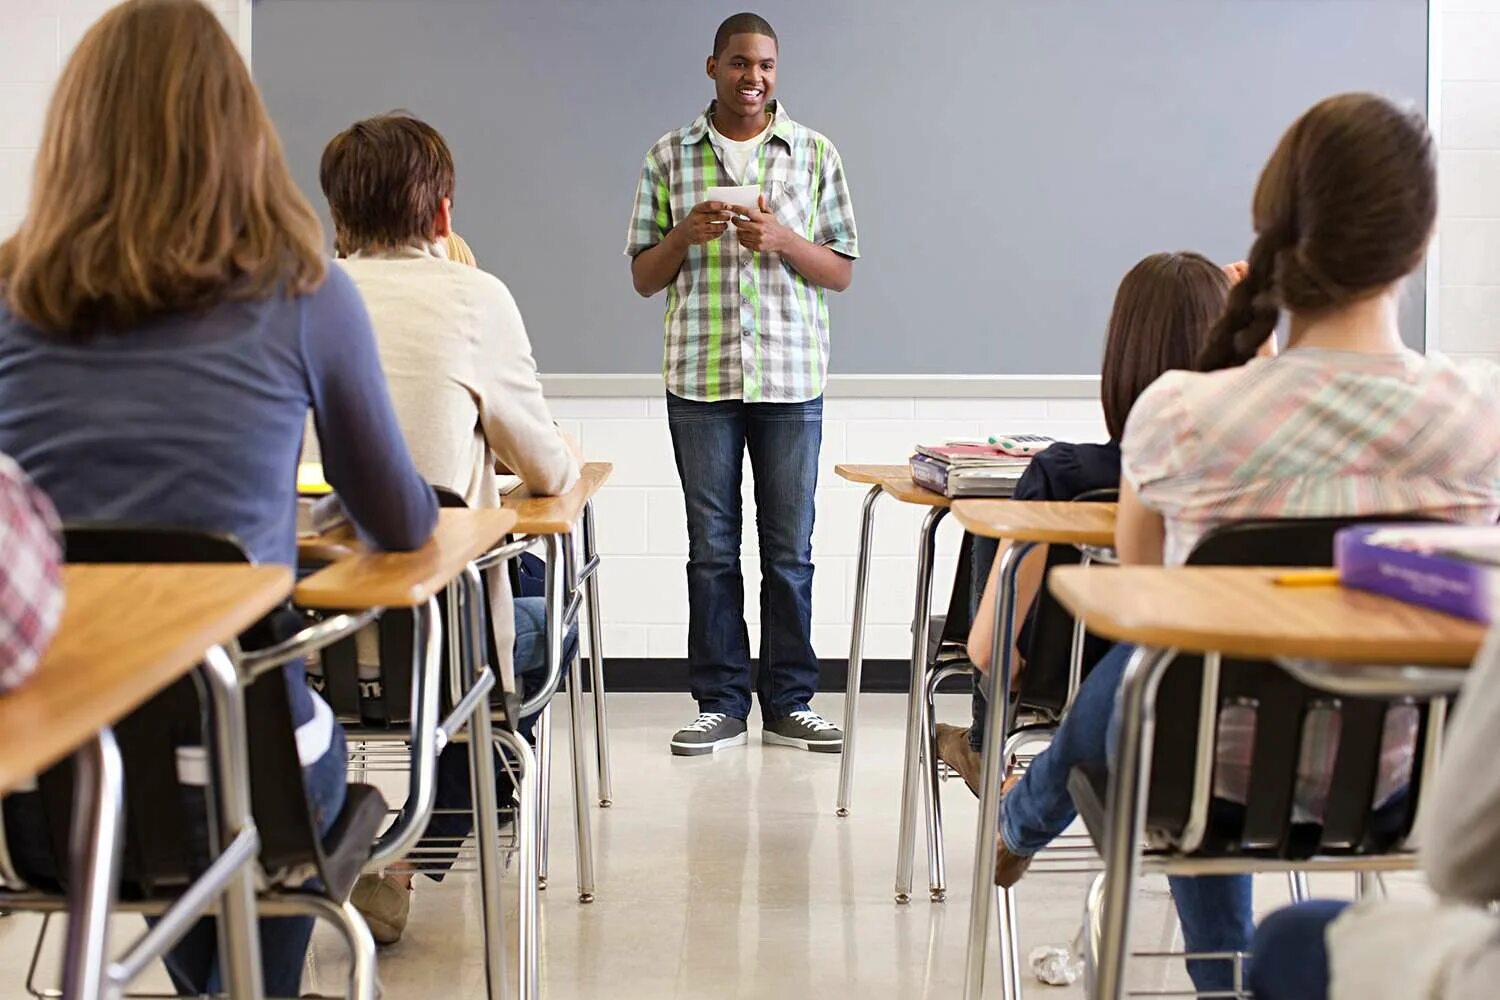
x,y
641,521
1467,41
36,38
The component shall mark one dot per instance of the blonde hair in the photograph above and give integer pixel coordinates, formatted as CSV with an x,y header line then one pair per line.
x,y
459,250
160,183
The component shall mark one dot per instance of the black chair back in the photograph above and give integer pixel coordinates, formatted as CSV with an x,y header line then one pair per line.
x,y
1281,707
164,814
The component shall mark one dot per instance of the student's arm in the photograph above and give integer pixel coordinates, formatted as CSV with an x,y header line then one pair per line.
x,y
657,247
1461,812
1140,532
364,454
512,410
1028,586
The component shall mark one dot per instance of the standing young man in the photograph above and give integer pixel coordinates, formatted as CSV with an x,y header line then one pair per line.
x,y
746,358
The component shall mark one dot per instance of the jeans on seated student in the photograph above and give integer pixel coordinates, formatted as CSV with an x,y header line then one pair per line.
x,y
385,900
1215,910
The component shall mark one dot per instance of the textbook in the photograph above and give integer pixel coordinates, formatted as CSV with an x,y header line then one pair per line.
x,y
971,453
961,481
1449,568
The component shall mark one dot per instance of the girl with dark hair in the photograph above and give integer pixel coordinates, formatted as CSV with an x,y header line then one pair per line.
x,y
1162,313
1347,421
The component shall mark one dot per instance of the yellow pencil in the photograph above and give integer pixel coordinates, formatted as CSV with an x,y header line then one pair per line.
x,y
1309,578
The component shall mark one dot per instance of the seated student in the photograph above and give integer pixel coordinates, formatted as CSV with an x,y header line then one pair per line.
x,y
1346,422
168,320
1160,321
1442,949
465,389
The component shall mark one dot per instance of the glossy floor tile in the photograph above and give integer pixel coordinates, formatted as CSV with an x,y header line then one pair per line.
x,y
732,877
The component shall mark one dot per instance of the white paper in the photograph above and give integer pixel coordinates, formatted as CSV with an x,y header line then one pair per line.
x,y
745,196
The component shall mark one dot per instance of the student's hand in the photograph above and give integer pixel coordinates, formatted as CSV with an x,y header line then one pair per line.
x,y
761,231
705,223
1237,271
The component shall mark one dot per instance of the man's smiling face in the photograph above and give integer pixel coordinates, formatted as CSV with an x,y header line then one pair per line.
x,y
745,74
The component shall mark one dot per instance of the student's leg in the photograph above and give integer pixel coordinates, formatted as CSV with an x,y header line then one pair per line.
x,y
283,940
708,440
784,439
981,558
1039,807
1291,952
1215,912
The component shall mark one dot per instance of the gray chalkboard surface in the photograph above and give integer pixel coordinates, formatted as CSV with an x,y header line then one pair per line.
x,y
1008,159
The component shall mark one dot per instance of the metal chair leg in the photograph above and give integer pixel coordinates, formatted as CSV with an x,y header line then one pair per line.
x,y
561,549
936,854
94,843
856,651
997,683
1297,886
1126,811
911,776
543,822
529,917
596,656
1010,947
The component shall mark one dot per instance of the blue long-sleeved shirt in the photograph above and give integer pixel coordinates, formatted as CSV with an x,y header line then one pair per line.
x,y
197,420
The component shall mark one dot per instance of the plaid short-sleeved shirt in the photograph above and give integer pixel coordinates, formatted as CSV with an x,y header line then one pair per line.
x,y
31,596
743,325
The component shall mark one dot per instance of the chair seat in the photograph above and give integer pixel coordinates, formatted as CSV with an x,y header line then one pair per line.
x,y
346,846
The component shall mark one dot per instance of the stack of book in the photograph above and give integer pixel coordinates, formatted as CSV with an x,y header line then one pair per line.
x,y
1445,567
968,469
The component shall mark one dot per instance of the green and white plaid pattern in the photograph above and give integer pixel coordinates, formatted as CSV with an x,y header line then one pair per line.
x,y
744,325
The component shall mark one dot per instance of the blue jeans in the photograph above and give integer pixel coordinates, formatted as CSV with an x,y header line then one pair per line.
x,y
1214,910
710,440
193,963
1291,952
453,818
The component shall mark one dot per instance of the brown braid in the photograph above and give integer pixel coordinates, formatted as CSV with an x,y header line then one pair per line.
x,y
1344,208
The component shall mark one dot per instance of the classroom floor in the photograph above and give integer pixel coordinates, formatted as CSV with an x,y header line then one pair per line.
x,y
731,877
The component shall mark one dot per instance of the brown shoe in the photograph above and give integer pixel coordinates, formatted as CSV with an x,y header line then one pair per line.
x,y
385,903
1009,867
953,749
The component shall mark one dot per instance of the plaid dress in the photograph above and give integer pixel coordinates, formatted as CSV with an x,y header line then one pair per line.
x,y
743,325
31,595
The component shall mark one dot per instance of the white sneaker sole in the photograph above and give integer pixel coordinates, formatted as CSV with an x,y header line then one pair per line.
x,y
704,749
815,746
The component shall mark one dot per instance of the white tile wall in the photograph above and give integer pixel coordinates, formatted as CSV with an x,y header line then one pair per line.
x,y
1468,125
36,38
643,537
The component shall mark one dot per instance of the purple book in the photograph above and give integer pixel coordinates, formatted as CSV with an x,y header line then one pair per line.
x,y
1449,568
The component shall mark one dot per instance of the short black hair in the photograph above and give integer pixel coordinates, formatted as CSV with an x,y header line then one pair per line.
x,y
742,24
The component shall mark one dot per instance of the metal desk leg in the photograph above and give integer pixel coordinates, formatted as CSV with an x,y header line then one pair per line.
x,y
1126,812
94,843
560,549
468,594
544,794
856,650
229,790
983,897
912,773
596,656
529,917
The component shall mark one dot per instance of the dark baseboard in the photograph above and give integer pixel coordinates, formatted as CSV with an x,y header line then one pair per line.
x,y
672,676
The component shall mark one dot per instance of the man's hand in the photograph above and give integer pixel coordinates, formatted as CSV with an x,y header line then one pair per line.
x,y
705,223
760,230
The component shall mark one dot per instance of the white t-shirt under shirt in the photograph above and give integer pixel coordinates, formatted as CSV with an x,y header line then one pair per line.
x,y
737,153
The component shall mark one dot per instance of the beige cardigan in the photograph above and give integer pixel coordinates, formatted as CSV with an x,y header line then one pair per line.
x,y
464,385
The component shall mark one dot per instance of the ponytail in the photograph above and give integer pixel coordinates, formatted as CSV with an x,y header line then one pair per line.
x,y
1252,312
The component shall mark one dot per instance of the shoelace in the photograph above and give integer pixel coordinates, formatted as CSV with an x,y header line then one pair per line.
x,y
703,723
812,720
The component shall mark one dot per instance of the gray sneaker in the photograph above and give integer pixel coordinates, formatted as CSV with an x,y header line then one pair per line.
x,y
805,730
710,731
